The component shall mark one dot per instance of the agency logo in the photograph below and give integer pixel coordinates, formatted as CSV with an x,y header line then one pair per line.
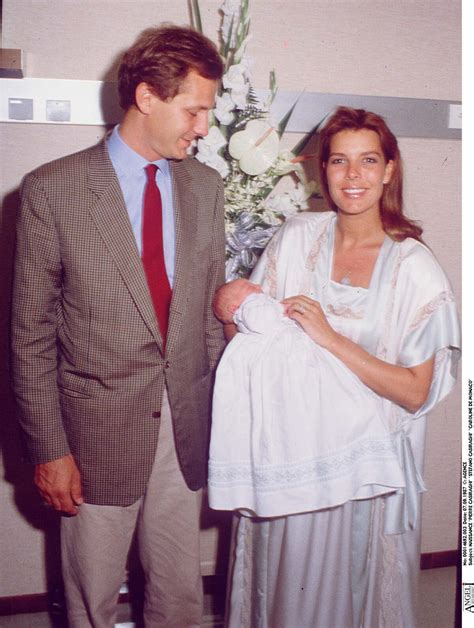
x,y
468,597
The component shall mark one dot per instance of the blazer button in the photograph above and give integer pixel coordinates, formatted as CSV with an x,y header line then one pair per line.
x,y
156,415
167,365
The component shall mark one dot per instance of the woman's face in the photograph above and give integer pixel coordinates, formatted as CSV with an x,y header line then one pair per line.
x,y
356,171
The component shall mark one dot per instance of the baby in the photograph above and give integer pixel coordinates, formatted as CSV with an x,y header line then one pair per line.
x,y
290,421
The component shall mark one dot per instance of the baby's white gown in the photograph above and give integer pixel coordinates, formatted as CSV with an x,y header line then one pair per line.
x,y
273,450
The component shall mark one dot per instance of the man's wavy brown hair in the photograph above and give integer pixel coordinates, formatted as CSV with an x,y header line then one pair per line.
x,y
162,57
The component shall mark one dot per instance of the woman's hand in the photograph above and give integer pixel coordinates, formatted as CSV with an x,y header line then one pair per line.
x,y
309,314
407,386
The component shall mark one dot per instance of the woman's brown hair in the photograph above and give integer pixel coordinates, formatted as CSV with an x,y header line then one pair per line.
x,y
394,222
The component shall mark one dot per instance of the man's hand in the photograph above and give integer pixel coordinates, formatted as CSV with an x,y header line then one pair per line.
x,y
59,484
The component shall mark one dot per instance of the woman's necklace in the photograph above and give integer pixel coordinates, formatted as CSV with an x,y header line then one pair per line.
x,y
346,273
346,280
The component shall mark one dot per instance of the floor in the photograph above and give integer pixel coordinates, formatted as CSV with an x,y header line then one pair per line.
x,y
437,595
437,598
43,620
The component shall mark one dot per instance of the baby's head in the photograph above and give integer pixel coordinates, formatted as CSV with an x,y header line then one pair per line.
x,y
229,297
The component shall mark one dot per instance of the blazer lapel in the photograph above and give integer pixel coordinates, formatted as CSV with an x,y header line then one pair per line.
x,y
110,216
186,217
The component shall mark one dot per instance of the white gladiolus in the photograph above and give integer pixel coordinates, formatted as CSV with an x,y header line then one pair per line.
x,y
224,108
231,11
208,151
235,81
234,78
214,139
214,160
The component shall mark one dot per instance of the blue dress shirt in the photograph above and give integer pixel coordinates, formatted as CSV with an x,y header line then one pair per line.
x,y
130,169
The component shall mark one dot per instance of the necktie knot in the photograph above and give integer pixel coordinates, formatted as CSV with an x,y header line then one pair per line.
x,y
151,172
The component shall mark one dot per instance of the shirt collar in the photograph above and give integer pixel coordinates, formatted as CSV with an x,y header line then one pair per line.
x,y
125,160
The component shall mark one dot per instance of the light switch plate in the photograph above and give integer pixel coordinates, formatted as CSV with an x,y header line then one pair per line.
x,y
20,108
58,110
455,117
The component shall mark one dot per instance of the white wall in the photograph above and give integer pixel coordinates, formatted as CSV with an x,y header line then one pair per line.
x,y
410,48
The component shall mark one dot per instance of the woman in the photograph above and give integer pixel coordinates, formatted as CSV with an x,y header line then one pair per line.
x,y
373,295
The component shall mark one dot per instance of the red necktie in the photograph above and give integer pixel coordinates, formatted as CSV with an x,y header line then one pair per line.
x,y
152,251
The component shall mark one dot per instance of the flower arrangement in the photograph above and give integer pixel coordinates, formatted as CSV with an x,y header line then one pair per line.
x,y
243,145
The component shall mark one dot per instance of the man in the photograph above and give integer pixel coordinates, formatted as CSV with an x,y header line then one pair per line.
x,y
116,268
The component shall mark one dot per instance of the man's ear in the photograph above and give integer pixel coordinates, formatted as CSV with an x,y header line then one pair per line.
x,y
143,97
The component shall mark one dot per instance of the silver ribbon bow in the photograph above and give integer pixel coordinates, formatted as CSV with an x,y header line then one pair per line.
x,y
244,245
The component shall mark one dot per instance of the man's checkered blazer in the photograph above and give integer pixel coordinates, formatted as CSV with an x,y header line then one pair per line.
x,y
88,365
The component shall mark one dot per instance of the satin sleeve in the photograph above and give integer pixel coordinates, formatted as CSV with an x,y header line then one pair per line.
x,y
427,322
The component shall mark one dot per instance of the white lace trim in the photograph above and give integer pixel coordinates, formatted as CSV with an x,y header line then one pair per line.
x,y
273,477
312,259
315,249
247,570
343,311
390,599
271,268
382,347
427,310
440,358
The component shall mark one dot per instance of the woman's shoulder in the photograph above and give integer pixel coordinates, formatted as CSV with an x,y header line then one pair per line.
x,y
300,231
419,264
414,252
306,222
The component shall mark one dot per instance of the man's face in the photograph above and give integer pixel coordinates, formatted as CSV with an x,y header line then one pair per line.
x,y
171,125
